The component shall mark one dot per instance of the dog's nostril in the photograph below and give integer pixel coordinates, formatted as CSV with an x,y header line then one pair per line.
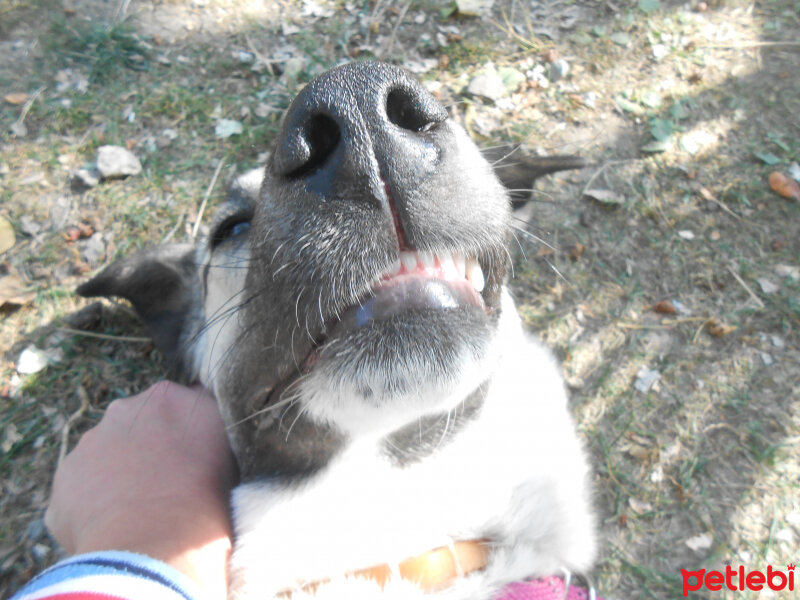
x,y
321,136
404,109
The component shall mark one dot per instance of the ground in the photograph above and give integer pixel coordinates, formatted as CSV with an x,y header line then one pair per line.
x,y
666,276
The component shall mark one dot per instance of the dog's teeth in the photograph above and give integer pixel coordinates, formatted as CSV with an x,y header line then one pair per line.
x,y
475,275
409,260
448,267
395,268
426,259
460,265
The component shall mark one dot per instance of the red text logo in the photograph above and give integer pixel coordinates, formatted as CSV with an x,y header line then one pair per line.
x,y
738,579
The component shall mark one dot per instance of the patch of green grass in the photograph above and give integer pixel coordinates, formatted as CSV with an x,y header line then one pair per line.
x,y
106,49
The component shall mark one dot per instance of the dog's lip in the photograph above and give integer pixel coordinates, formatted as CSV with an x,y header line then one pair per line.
x,y
432,283
407,293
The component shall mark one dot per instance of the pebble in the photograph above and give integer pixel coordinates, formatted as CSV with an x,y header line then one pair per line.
x,y
116,161
559,69
487,84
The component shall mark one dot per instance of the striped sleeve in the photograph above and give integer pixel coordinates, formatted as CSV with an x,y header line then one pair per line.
x,y
110,576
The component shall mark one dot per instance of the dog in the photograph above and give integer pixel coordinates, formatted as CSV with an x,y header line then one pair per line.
x,y
350,314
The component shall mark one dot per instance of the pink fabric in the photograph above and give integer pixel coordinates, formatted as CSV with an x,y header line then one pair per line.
x,y
545,588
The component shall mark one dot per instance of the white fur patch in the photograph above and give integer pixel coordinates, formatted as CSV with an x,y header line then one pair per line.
x,y
516,475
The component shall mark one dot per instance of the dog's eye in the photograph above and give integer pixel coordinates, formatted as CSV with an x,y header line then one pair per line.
x,y
232,227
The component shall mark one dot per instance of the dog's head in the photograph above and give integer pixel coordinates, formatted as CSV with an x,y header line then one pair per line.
x,y
349,289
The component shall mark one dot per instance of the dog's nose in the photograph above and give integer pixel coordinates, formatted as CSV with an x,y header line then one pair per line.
x,y
363,130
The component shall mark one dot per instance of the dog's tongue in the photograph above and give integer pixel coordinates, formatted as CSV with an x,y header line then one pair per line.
x,y
407,293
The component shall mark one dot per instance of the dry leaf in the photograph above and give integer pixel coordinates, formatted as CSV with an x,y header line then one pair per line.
x,y
577,251
784,185
607,197
665,307
13,291
640,453
16,98
639,506
7,238
718,328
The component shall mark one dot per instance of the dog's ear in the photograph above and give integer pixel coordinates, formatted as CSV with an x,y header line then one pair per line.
x,y
162,283
518,171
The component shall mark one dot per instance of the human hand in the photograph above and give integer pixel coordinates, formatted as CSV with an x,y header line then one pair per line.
x,y
154,477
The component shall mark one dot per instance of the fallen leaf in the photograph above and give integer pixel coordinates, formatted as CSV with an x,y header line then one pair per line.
x,y
665,307
16,98
658,146
794,171
607,197
784,185
715,236
7,238
768,158
13,291
767,286
640,453
228,127
718,328
639,506
645,379
700,542
577,250
620,38
18,129
790,271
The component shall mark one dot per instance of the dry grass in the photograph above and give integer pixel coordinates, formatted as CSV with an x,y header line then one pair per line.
x,y
711,448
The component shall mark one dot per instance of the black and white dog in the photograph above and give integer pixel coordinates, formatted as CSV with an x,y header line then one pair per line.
x,y
349,313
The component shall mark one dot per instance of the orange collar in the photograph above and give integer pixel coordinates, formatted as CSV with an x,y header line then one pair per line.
x,y
431,570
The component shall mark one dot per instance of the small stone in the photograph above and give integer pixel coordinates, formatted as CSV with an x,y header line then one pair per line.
x,y
245,58
777,341
93,249
487,84
40,552
686,234
660,51
589,99
116,161
767,359
31,360
559,69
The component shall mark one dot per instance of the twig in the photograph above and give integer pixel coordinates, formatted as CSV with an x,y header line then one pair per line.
x,y
122,8
211,185
601,169
84,397
172,231
746,287
29,104
745,45
103,336
400,18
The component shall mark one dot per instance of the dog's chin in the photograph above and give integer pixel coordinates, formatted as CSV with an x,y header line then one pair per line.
x,y
392,370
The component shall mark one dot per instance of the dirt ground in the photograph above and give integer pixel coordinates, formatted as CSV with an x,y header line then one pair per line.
x,y
666,276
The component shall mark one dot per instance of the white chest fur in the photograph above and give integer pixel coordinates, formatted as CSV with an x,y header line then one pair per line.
x,y
516,475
